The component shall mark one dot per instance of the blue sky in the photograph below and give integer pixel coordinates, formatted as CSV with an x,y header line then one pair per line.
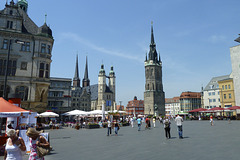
x,y
193,38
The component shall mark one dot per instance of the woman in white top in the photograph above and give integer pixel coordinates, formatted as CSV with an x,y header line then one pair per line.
x,y
14,146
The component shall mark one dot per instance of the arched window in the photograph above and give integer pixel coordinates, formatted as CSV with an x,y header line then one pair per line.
x,y
148,87
23,92
41,95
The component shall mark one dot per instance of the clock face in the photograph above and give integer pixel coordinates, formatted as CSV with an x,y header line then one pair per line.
x,y
24,65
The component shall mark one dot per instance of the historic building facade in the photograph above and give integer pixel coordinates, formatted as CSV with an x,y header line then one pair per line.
x,y
227,96
154,96
235,58
135,107
172,106
27,50
190,101
59,95
211,93
92,97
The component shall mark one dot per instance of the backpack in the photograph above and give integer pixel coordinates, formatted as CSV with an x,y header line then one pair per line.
x,y
167,124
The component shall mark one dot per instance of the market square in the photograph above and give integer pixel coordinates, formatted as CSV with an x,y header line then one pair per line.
x,y
201,141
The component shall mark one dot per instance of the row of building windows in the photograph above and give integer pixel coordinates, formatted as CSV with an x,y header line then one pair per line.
x,y
55,94
213,100
226,87
12,67
229,96
22,91
26,46
77,104
212,93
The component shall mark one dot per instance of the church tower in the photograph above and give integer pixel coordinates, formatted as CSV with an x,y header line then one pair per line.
x,y
101,87
112,79
76,79
23,4
86,81
154,96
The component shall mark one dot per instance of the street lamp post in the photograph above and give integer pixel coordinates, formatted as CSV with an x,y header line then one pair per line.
x,y
6,69
155,109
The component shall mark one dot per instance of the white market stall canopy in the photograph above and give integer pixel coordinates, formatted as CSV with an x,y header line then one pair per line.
x,y
95,112
48,114
75,113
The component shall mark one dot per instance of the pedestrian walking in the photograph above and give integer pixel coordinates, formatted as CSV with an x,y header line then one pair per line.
x,y
36,140
211,120
179,121
109,127
14,146
166,124
132,122
139,121
116,127
154,122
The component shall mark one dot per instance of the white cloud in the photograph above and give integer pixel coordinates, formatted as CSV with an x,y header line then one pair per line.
x,y
80,40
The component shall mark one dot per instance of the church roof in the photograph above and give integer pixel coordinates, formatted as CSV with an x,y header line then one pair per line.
x,y
94,91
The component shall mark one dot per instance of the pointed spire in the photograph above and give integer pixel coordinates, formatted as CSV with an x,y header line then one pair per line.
x,y
76,79
152,55
45,19
152,35
146,57
86,81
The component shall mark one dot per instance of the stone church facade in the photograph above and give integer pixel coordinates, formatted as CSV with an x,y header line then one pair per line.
x,y
92,97
29,48
154,96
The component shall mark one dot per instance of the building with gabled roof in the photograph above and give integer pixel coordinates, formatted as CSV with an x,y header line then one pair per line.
x,y
211,92
27,51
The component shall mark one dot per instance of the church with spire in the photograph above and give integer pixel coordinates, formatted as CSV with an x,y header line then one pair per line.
x,y
93,97
30,51
154,96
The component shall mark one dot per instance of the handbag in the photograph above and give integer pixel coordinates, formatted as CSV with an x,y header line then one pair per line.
x,y
41,151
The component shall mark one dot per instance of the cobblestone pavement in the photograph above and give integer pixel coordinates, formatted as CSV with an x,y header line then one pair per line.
x,y
201,141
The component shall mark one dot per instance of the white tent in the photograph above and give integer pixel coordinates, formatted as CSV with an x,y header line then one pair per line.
x,y
75,113
48,114
116,111
97,112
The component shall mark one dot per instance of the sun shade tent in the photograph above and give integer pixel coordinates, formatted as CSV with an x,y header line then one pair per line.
x,y
216,109
75,113
198,110
48,114
10,110
234,108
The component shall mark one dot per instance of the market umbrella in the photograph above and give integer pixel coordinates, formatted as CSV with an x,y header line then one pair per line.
x,y
48,114
75,113
97,112
216,109
198,110
234,108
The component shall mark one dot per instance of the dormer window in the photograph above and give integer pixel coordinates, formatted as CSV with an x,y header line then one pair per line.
x,y
11,12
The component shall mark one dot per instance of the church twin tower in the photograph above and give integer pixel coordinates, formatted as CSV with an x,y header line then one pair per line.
x,y
93,97
154,96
